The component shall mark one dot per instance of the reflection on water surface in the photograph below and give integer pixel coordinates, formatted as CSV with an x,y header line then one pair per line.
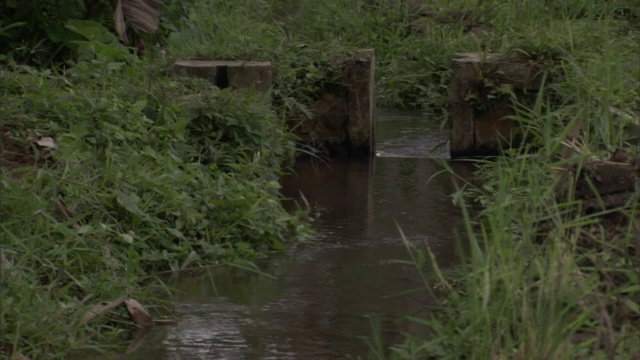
x,y
324,296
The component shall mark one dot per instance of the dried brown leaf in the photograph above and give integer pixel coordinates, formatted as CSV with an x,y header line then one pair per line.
x,y
138,314
47,143
100,309
141,15
118,21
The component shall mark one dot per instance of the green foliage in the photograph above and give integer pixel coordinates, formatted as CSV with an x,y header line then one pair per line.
x,y
532,287
33,31
148,173
305,45
89,40
215,29
401,46
527,292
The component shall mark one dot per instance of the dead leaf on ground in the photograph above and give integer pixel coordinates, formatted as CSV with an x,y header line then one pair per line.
x,y
68,212
47,143
42,141
5,263
138,314
100,309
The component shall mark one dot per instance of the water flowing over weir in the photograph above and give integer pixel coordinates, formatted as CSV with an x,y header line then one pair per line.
x,y
326,296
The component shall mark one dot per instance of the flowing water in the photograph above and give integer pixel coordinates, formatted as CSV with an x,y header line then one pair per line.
x,y
326,298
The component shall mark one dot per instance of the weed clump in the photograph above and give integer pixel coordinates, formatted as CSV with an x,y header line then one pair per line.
x,y
145,173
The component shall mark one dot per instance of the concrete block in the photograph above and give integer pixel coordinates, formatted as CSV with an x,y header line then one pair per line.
x,y
479,119
343,119
359,73
228,74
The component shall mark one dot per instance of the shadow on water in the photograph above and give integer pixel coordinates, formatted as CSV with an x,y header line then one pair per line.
x,y
324,295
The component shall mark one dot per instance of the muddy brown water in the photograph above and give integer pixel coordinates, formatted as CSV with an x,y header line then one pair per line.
x,y
326,298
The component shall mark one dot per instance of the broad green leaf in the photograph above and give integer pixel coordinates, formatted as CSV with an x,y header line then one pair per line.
x,y
125,238
91,30
129,202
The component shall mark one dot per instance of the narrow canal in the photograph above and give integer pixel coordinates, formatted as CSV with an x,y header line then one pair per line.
x,y
326,298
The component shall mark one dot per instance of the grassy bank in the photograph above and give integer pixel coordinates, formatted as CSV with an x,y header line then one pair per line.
x,y
147,174
552,275
112,169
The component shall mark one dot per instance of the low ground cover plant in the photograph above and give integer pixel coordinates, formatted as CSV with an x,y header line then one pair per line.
x,y
113,169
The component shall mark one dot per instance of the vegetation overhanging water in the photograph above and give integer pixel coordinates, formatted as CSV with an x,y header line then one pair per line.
x,y
352,282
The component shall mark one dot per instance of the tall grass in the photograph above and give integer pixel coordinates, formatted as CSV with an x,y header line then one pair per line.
x,y
544,279
529,293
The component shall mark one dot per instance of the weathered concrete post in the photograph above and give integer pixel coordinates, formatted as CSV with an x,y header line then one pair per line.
x,y
479,105
342,119
228,74
359,73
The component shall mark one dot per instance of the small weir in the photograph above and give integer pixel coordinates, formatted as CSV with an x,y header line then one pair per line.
x,y
324,298
407,134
